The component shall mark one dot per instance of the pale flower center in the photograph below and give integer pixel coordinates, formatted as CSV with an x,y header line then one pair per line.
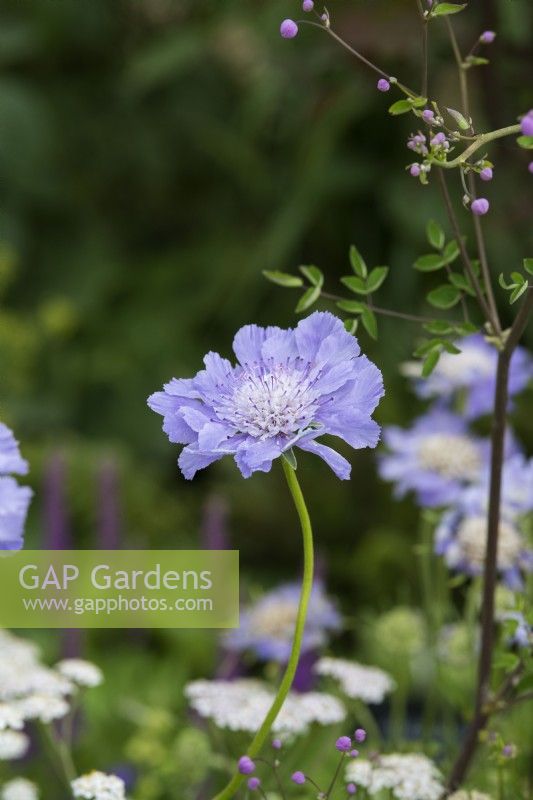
x,y
278,402
451,455
462,368
277,621
472,539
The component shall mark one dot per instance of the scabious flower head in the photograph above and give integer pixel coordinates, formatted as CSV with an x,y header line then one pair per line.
x,y
383,85
267,628
359,735
526,124
19,789
289,387
253,784
308,5
480,206
407,777
487,37
80,672
343,744
288,29
470,376
99,786
14,499
486,174
369,684
434,458
246,765
298,778
242,705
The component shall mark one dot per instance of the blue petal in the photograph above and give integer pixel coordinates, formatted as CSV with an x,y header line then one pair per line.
x,y
248,343
311,332
256,456
10,458
340,466
191,460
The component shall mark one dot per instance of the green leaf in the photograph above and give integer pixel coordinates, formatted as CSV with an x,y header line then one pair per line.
x,y
351,325
418,102
451,251
400,107
376,278
526,142
476,61
351,306
430,362
283,278
503,284
370,323
428,346
528,265
357,262
462,283
307,299
506,661
517,277
444,9
355,284
464,328
518,292
435,235
313,275
445,296
430,262
450,347
439,327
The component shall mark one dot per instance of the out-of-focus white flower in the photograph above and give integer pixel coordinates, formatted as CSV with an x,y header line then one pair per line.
x,y
23,674
369,684
99,786
82,673
44,707
19,789
408,777
10,717
13,745
242,705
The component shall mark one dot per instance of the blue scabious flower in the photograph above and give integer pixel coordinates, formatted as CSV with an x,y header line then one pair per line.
x,y
14,499
461,535
435,458
472,374
288,388
267,628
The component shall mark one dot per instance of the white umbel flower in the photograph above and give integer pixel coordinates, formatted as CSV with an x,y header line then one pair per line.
x,y
19,789
408,777
80,672
44,707
369,684
13,745
10,717
99,786
242,705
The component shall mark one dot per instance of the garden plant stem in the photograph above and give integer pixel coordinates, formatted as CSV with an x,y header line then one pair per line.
x,y
288,677
482,710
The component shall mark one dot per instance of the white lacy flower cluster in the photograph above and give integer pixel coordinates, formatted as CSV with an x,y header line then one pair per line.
x,y
242,705
19,789
408,777
99,786
29,690
369,684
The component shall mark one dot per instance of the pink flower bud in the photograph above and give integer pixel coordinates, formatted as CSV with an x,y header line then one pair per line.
x,y
480,206
415,170
383,85
526,124
288,29
487,37
308,5
486,174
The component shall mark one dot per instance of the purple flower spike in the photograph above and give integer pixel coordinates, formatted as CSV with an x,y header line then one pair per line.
x,y
383,85
298,778
246,765
486,174
351,788
360,735
526,124
480,206
487,37
277,744
288,29
288,388
343,744
254,783
308,5
415,170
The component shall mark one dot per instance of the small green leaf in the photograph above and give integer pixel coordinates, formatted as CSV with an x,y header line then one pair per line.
x,y
456,279
435,235
430,262
464,328
439,327
447,8
503,284
528,265
351,325
476,61
418,102
450,347
376,278
526,142
518,292
427,347
351,306
313,275
370,323
283,278
307,299
506,661
355,284
445,296
400,107
451,251
357,262
430,362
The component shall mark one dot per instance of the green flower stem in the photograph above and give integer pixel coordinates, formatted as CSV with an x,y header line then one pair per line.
x,y
288,677
479,142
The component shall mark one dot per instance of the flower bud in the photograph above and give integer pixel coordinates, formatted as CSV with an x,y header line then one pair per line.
x,y
383,85
298,778
308,5
343,744
486,174
288,29
254,783
428,115
526,124
530,167
277,744
487,37
415,170
480,206
351,788
246,765
360,735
